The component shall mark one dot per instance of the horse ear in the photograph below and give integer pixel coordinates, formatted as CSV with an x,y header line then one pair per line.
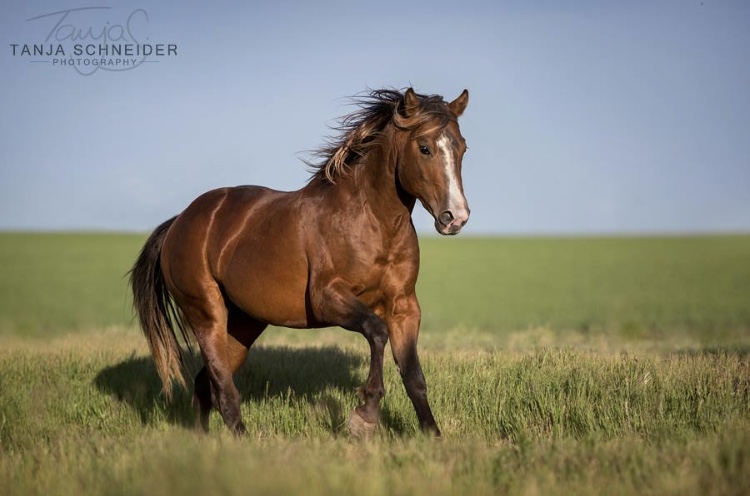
x,y
411,102
458,105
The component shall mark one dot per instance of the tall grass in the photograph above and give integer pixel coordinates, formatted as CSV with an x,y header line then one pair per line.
x,y
83,415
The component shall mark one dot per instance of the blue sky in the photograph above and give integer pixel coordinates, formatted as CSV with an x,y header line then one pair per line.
x,y
584,117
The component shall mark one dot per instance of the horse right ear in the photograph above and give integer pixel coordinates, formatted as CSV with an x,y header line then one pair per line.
x,y
411,102
458,105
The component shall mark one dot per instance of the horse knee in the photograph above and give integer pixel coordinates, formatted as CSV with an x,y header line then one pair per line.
x,y
376,331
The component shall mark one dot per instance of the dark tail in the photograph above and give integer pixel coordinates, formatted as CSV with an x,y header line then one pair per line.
x,y
156,310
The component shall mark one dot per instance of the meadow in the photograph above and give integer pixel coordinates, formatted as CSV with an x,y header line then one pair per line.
x,y
554,365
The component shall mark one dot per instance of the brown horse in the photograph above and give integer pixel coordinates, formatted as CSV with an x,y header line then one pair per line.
x,y
341,251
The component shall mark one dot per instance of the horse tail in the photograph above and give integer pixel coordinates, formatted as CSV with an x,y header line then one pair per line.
x,y
157,312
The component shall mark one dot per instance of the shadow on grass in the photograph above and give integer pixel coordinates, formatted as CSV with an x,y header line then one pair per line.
x,y
270,372
135,382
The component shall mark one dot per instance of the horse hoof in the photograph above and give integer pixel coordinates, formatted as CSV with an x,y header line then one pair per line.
x,y
359,428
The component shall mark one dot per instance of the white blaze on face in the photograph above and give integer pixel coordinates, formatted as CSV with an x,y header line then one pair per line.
x,y
456,201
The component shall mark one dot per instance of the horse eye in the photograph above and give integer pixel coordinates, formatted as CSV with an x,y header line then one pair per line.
x,y
424,150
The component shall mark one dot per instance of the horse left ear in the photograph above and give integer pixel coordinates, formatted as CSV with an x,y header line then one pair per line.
x,y
411,102
458,105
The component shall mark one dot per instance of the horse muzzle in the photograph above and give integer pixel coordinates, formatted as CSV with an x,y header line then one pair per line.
x,y
450,221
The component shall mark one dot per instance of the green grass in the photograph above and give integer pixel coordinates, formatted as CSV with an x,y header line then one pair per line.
x,y
83,415
52,283
554,366
642,288
639,287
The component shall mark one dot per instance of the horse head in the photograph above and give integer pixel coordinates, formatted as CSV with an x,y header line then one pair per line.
x,y
429,166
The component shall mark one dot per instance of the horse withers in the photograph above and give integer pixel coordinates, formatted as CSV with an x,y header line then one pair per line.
x,y
341,251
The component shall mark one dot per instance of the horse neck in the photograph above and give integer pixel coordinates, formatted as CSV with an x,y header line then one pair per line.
x,y
375,178
371,184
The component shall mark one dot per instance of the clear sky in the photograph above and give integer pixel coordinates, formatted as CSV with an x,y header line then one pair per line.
x,y
584,116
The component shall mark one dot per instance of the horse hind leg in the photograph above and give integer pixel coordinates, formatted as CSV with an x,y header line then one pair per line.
x,y
202,403
242,331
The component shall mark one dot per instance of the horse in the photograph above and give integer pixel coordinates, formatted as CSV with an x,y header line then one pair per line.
x,y
342,251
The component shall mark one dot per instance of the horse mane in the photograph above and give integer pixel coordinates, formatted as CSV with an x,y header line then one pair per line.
x,y
359,130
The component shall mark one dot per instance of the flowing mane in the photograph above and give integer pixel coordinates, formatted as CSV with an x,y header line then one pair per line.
x,y
359,130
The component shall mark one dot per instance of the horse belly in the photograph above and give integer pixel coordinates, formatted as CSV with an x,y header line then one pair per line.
x,y
269,283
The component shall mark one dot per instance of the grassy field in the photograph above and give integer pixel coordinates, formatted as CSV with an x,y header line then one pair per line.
x,y
563,366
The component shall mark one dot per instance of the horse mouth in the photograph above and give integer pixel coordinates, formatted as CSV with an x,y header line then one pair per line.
x,y
448,230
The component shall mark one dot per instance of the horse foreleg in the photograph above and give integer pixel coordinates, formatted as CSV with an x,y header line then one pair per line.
x,y
404,331
365,417
339,306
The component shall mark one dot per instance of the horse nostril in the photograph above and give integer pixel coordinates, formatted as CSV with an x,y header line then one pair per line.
x,y
445,218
